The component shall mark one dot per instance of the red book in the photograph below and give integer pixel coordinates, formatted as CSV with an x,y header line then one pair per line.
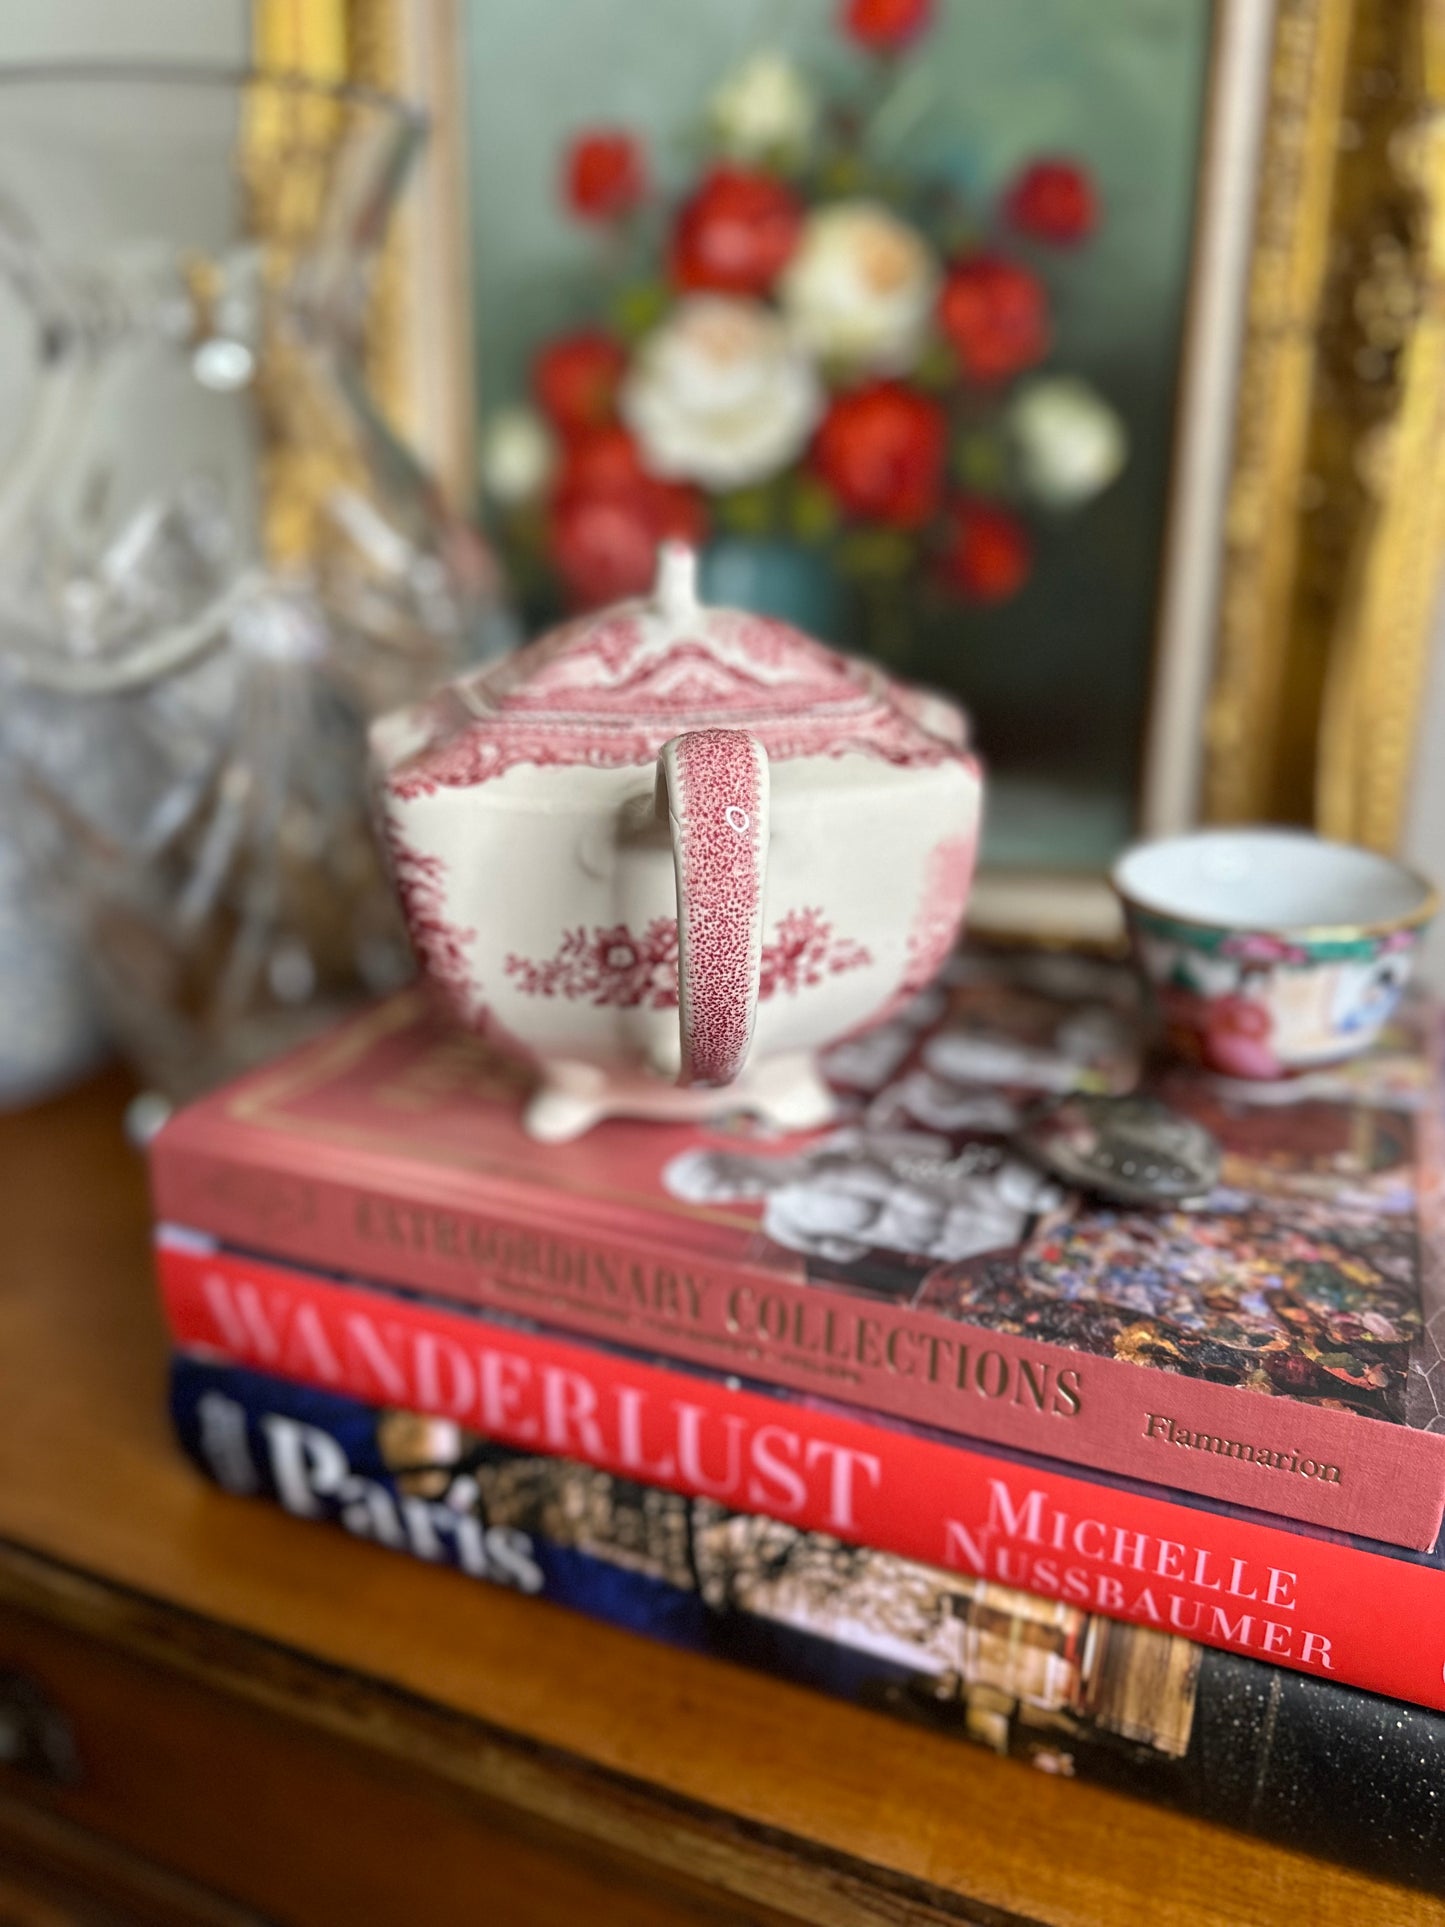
x,y
1271,1348
1296,1596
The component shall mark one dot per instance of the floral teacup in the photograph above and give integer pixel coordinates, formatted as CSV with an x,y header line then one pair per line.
x,y
1271,951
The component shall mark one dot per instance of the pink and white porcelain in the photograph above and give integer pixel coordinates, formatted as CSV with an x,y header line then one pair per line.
x,y
669,852
1270,951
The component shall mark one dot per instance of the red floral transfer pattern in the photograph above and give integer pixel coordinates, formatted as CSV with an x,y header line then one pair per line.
x,y
805,951
940,911
607,966
440,944
611,966
608,693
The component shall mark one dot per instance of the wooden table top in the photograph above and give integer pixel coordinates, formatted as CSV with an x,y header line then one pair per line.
x,y
776,1797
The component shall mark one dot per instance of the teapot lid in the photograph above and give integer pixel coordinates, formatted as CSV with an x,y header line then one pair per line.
x,y
610,688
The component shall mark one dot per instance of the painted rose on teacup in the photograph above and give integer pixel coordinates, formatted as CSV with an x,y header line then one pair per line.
x,y
1270,952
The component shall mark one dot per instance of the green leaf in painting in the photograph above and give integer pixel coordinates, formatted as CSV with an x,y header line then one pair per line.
x,y
811,511
747,511
638,308
876,553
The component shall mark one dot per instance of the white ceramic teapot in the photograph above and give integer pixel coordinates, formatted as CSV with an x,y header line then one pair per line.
x,y
668,852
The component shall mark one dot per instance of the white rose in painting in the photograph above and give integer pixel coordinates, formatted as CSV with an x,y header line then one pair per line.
x,y
764,108
860,288
720,394
516,457
1070,442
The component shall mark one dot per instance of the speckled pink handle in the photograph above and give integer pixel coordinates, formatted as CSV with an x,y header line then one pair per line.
x,y
714,784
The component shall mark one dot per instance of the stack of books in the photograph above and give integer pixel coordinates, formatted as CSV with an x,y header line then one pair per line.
x,y
1152,1498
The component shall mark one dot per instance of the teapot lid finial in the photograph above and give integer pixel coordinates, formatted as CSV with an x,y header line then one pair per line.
x,y
675,590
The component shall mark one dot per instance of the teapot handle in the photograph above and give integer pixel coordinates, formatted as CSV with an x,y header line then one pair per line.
x,y
713,786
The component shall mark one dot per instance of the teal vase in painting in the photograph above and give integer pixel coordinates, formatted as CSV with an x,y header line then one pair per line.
x,y
778,578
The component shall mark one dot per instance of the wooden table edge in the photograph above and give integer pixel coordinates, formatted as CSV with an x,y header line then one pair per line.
x,y
746,1858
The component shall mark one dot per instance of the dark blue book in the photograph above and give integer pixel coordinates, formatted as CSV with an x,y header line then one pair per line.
x,y
1293,1758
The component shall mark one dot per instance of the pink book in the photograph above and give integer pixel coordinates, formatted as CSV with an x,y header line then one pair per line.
x,y
1274,1347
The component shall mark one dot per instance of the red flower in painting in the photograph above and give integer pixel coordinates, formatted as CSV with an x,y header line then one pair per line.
x,y
986,551
604,539
736,233
883,26
600,461
995,316
575,380
603,175
1053,200
881,450
677,512
603,546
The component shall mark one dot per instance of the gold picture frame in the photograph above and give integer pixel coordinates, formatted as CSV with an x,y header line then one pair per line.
x,y
1308,500
1336,505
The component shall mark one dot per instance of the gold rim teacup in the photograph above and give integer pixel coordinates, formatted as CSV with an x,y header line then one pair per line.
x,y
1271,951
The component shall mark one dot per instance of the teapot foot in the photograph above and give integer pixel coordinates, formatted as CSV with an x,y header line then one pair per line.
x,y
788,1093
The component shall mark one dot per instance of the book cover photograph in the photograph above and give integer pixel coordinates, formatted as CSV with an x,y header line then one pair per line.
x,y
1069,1692
1274,1345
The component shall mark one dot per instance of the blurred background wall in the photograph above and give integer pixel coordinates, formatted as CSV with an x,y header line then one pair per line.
x,y
216,30
136,30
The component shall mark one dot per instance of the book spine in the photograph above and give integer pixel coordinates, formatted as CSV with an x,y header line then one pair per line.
x,y
1245,1585
1299,1760
1325,1466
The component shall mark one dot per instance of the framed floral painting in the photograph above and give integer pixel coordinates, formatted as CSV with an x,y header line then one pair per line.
x,y
1071,355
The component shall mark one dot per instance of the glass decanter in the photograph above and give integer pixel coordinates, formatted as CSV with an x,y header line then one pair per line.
x,y
217,564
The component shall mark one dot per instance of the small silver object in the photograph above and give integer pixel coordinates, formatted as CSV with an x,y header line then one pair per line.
x,y
144,1116
1129,1150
